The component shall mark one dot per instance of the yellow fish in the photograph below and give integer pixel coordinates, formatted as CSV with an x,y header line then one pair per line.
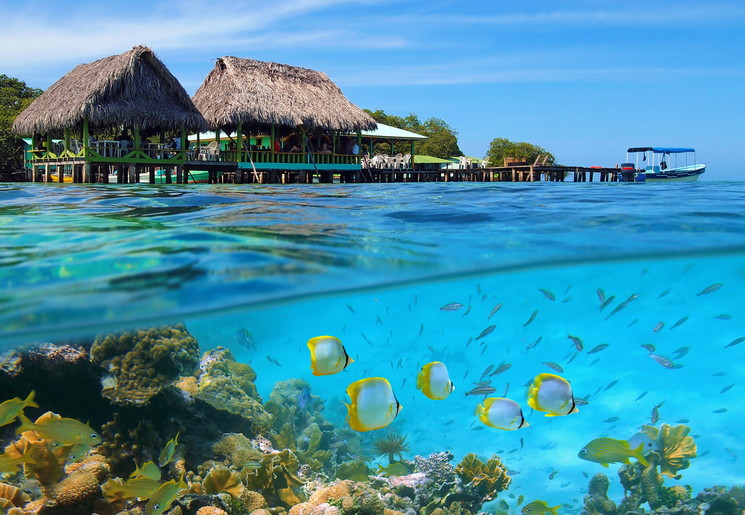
x,y
327,355
609,450
62,431
8,464
434,381
164,496
540,508
149,470
140,487
501,413
11,408
552,394
77,451
166,455
374,405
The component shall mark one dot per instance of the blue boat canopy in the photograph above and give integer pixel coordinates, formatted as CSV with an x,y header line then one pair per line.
x,y
661,150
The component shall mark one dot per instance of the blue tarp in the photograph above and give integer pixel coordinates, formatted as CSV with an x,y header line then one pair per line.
x,y
661,150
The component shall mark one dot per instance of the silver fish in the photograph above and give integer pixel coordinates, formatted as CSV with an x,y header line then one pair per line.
x,y
486,332
679,322
244,338
612,384
720,410
679,353
486,371
655,415
532,345
504,367
577,342
553,366
467,311
727,388
532,317
710,289
666,292
607,302
662,361
482,390
494,310
581,401
648,347
350,308
506,389
598,348
273,361
723,316
601,296
611,419
548,294
659,326
736,341
453,306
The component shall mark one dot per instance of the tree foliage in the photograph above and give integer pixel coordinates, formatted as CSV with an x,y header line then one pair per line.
x,y
15,96
501,148
442,142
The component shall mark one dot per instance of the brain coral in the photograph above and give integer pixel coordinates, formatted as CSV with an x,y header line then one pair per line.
x,y
142,362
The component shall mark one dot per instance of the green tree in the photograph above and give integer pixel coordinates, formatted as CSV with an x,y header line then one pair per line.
x,y
15,96
442,142
501,148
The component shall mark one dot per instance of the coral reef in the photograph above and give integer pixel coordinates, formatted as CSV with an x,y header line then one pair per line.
x,y
223,480
596,500
141,363
486,479
344,497
227,385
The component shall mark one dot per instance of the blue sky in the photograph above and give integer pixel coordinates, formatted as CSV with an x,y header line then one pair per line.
x,y
584,79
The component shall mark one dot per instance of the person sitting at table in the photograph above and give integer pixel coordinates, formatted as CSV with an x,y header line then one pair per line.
x,y
125,141
294,144
325,146
277,145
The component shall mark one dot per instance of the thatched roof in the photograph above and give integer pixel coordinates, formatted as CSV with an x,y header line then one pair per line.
x,y
133,89
264,93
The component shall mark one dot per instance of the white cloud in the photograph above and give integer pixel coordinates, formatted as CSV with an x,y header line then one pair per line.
x,y
69,37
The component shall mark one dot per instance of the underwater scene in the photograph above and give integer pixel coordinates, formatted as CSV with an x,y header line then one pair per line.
x,y
378,349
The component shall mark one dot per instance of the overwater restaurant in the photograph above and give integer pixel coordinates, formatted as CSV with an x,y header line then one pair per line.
x,y
118,118
126,118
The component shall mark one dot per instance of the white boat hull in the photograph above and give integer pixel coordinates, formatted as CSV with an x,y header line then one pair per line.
x,y
680,174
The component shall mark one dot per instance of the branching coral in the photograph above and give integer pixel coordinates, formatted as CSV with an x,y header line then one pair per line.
x,y
391,445
141,363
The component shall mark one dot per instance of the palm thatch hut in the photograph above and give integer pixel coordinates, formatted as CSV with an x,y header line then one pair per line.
x,y
133,89
254,93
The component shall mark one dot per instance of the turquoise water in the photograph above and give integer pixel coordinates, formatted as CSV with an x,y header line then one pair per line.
x,y
373,265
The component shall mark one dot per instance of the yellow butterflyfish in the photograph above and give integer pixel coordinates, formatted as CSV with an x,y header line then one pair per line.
x,y
434,381
501,413
373,406
552,394
327,355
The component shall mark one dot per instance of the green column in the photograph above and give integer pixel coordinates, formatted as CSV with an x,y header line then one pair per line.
x,y
217,138
239,143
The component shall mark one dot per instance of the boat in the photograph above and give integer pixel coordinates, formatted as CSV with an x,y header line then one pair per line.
x,y
661,164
